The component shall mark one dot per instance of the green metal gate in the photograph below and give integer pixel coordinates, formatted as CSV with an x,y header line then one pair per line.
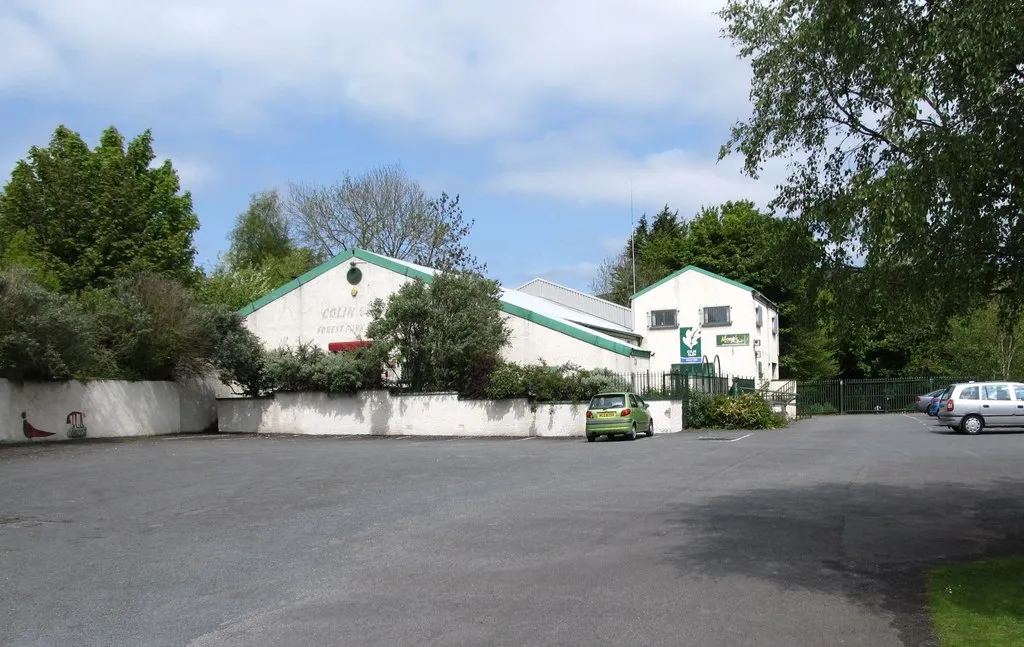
x,y
882,395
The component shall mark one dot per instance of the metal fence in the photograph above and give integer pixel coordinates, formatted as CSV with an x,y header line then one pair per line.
x,y
676,385
882,395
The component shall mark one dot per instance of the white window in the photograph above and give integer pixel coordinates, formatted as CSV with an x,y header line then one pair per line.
x,y
759,316
775,325
664,319
718,316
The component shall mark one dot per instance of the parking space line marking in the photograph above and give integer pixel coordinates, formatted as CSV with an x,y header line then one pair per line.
x,y
740,438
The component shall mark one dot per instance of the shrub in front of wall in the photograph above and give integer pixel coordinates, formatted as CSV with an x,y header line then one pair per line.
x,y
342,373
699,410
508,380
545,383
748,411
293,369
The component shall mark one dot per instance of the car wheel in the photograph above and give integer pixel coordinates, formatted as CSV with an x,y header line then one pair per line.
x,y
632,432
591,437
972,425
650,429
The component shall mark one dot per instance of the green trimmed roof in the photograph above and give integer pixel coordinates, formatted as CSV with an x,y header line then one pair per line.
x,y
692,268
575,331
705,272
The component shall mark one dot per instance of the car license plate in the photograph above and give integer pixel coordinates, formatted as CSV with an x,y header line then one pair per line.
x,y
607,414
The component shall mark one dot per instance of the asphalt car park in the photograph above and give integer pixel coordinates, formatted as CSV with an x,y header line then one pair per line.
x,y
819,534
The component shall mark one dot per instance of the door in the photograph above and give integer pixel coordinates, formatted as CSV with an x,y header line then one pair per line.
x,y
1018,393
645,413
640,416
998,405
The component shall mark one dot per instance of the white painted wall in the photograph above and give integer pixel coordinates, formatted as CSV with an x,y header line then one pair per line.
x,y
110,408
530,342
324,310
444,414
689,293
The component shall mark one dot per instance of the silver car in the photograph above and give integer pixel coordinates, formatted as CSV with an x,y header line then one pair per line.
x,y
971,407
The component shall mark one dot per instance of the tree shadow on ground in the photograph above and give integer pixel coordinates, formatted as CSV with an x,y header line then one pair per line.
x,y
870,543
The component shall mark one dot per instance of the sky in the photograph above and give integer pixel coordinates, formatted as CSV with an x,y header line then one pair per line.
x,y
544,116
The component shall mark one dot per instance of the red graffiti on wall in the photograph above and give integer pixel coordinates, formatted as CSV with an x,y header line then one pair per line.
x,y
30,431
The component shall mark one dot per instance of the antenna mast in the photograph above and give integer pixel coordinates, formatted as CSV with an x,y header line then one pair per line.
x,y
632,234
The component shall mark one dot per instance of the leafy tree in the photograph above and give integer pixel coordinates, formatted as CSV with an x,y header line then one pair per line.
x,y
234,288
446,335
93,216
778,257
261,233
382,211
263,255
652,250
41,336
902,124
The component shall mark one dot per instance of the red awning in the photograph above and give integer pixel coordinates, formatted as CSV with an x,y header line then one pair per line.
x,y
340,346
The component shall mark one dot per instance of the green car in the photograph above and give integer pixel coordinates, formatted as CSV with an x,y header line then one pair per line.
x,y
618,413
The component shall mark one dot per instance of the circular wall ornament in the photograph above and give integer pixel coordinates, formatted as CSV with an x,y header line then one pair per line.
x,y
354,276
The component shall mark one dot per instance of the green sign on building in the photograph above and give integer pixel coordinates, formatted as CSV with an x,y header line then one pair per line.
x,y
689,346
733,340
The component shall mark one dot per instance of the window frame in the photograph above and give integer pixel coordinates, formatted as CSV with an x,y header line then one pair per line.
x,y
759,316
651,324
716,324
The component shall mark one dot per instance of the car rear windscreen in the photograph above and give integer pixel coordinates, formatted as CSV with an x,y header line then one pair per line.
x,y
608,402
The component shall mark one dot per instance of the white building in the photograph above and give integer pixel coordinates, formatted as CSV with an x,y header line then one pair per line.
x,y
694,316
688,319
329,306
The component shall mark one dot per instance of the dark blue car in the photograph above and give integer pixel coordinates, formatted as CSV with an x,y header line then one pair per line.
x,y
933,407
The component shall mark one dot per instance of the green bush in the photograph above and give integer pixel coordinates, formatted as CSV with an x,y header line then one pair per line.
x,y
344,373
151,327
308,368
747,411
546,383
699,410
293,369
508,380
41,336
239,358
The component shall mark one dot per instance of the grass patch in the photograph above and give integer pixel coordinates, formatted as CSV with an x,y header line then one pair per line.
x,y
979,604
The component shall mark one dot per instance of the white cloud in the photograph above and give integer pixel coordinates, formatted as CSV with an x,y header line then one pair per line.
x,y
581,167
193,172
458,67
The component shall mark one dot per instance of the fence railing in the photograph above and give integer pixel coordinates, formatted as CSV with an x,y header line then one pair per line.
x,y
676,385
885,395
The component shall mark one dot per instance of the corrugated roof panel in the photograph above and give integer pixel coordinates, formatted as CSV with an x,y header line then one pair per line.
x,y
576,300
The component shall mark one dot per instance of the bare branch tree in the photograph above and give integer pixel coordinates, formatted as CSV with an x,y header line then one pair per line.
x,y
383,211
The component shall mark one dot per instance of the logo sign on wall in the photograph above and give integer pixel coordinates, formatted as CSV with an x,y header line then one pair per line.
x,y
733,340
689,346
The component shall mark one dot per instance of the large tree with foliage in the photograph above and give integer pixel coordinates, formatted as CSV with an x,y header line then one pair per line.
x,y
903,122
383,211
90,216
777,257
263,255
446,335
